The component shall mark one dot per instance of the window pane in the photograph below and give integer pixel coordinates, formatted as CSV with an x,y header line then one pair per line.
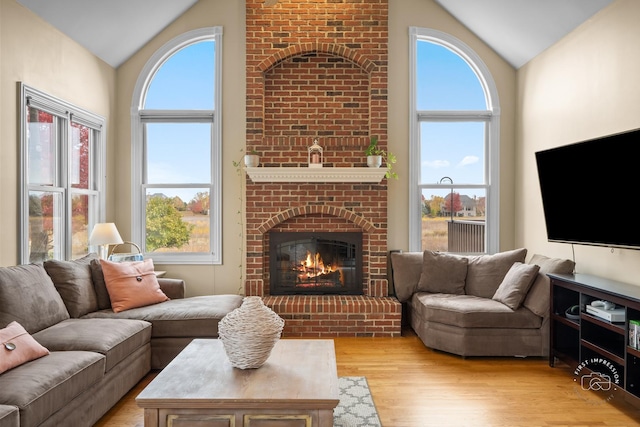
x,y
457,226
178,220
185,80
42,144
444,81
178,153
452,149
45,225
80,156
81,206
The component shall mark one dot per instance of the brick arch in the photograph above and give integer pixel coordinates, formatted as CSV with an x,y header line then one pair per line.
x,y
309,210
330,48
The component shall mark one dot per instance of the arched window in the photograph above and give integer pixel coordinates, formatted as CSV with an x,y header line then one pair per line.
x,y
454,151
176,139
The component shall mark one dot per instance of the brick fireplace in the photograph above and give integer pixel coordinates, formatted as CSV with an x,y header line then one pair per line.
x,y
318,70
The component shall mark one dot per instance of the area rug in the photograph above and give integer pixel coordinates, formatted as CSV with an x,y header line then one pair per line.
x,y
356,407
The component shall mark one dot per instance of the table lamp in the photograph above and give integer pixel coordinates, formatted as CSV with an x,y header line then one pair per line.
x,y
103,235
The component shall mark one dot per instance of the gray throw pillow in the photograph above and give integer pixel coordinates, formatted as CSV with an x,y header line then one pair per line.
x,y
28,296
538,297
485,272
442,273
104,301
74,284
515,285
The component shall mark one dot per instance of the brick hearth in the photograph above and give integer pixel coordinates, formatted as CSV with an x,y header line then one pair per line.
x,y
333,315
318,69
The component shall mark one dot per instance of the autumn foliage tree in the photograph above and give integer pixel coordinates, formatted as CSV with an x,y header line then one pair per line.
x,y
453,203
165,227
200,203
435,205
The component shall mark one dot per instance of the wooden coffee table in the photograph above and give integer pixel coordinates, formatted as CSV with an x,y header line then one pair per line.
x,y
296,387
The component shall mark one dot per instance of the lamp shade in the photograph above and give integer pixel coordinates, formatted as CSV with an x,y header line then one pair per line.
x,y
105,233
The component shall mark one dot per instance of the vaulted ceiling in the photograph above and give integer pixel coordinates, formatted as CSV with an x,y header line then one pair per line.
x,y
113,30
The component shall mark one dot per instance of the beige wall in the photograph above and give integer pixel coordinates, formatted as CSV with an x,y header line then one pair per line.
x,y
200,279
35,53
427,14
585,86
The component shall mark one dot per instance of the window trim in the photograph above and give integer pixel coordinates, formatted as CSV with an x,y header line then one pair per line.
x,y
140,116
69,113
491,117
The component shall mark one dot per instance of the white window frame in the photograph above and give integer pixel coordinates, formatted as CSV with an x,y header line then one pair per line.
x,y
68,114
491,117
139,117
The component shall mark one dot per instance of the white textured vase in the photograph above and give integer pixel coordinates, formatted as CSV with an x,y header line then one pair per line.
x,y
249,333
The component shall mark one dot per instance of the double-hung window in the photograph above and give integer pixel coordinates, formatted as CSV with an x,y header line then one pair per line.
x,y
176,140
454,147
62,177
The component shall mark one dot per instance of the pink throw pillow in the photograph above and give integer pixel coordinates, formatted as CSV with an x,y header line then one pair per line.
x,y
18,347
131,284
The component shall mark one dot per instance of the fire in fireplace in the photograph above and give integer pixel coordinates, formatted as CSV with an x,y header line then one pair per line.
x,y
315,263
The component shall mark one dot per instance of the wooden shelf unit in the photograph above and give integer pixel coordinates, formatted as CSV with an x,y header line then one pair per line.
x,y
576,342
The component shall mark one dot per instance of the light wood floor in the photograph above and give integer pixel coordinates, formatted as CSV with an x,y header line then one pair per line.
x,y
413,386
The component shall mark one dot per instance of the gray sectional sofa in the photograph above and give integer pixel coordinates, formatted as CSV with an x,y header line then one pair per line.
x,y
95,355
453,304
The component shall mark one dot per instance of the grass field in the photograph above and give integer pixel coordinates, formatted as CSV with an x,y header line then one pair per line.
x,y
435,232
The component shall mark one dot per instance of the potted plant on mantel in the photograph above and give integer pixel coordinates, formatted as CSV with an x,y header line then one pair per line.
x,y
252,159
375,156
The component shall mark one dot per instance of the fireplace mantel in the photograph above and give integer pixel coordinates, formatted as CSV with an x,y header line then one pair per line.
x,y
306,174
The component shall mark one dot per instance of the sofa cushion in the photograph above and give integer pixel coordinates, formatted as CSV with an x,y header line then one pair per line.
x,y
9,416
28,296
537,299
98,283
18,347
442,273
485,272
407,268
515,285
189,317
469,311
73,281
116,339
131,284
43,386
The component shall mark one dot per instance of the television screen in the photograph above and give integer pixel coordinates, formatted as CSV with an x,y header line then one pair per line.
x,y
588,189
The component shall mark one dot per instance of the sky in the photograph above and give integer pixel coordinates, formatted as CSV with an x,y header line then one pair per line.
x,y
184,81
453,149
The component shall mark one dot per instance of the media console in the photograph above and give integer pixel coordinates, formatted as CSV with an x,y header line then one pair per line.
x,y
578,339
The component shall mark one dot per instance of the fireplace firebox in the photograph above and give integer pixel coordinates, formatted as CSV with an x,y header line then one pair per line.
x,y
308,263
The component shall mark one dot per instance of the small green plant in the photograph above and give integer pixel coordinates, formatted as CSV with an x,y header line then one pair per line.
x,y
388,157
239,164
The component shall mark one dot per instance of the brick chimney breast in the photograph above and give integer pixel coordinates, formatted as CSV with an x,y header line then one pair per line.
x,y
318,69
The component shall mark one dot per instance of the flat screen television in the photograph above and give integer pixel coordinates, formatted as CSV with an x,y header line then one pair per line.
x,y
589,191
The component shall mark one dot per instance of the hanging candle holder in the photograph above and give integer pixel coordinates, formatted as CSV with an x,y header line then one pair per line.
x,y
315,155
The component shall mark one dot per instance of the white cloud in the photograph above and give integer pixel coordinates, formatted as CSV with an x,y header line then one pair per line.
x,y
468,160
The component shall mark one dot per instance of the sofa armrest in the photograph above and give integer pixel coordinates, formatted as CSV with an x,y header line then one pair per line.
x,y
9,416
173,288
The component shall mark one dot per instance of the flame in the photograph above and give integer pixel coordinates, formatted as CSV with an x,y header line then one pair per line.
x,y
314,266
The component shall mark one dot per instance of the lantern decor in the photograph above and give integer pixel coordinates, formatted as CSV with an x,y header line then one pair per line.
x,y
315,155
